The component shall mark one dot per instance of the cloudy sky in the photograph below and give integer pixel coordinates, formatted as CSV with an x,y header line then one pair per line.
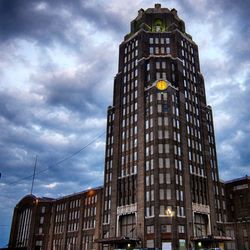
x,y
57,64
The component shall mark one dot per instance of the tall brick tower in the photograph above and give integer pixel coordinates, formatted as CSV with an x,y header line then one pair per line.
x,y
161,187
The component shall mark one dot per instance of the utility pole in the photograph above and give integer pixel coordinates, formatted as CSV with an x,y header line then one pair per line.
x,y
33,179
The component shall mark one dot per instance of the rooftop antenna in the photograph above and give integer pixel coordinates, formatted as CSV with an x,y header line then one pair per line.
x,y
33,179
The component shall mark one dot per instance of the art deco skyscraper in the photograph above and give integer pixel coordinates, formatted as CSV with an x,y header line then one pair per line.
x,y
161,187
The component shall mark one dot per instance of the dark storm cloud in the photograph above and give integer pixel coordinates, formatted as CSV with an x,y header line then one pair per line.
x,y
47,21
15,108
102,17
236,16
234,133
19,19
79,91
20,142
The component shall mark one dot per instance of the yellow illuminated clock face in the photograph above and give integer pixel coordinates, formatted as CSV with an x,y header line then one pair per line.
x,y
161,85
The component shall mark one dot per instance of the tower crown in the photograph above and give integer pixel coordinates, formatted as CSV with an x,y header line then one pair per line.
x,y
157,19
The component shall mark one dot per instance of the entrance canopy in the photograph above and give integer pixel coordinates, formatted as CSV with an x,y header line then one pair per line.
x,y
212,238
119,240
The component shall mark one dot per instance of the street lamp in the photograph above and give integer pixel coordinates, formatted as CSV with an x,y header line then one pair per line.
x,y
170,213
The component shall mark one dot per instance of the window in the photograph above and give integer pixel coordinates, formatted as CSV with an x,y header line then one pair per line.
x,y
165,121
168,194
41,220
200,224
160,148
43,209
150,244
165,228
181,229
40,230
167,163
148,66
39,243
164,108
127,225
160,133
150,229
162,210
166,148
161,194
168,180
161,178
